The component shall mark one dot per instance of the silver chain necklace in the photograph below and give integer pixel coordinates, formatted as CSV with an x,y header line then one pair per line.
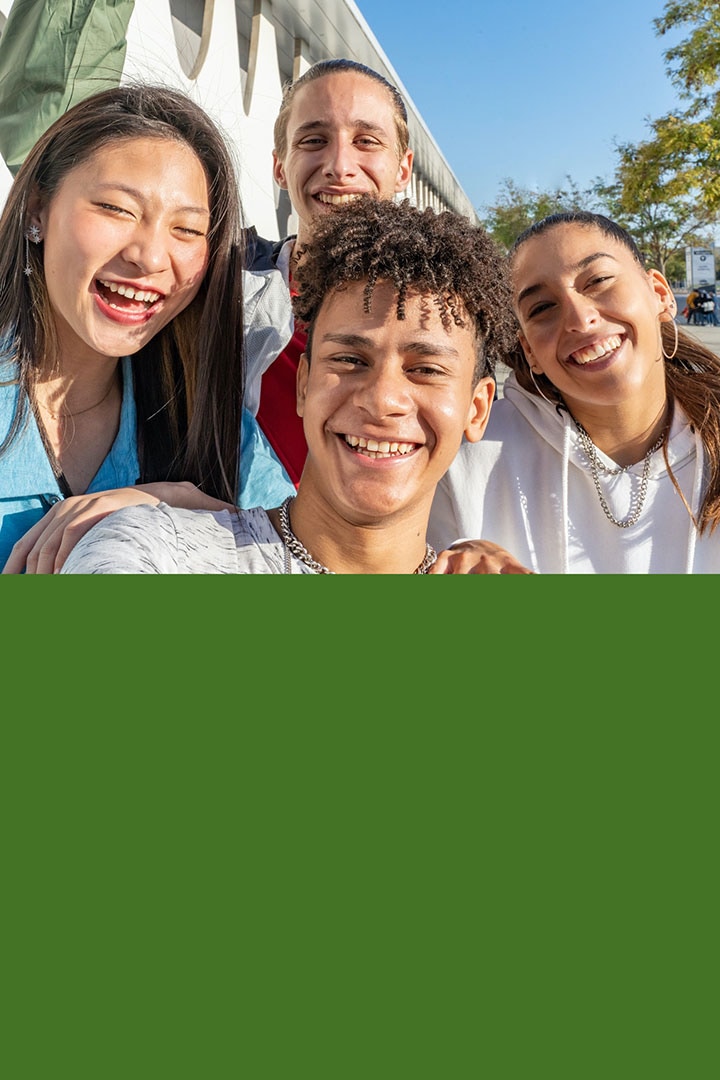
x,y
292,544
596,464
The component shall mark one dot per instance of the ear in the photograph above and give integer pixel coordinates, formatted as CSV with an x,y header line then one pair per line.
x,y
301,381
279,172
666,299
34,211
525,346
479,411
404,171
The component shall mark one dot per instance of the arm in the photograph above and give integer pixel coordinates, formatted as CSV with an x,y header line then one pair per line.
x,y
44,548
477,557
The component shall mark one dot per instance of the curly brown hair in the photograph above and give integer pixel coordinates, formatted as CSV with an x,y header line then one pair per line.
x,y
439,254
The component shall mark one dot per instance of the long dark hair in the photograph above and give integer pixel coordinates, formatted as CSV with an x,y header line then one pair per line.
x,y
692,374
188,379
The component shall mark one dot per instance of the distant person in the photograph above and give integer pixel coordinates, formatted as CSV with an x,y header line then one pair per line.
x,y
408,312
341,132
603,456
706,305
692,302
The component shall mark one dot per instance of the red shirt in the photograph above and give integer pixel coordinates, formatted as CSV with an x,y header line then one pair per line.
x,y
277,414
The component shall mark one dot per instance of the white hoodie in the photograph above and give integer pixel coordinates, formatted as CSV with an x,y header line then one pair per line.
x,y
527,486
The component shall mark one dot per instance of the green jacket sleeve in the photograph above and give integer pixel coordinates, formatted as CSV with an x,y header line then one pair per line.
x,y
52,55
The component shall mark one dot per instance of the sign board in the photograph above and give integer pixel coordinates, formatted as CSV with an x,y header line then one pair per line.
x,y
700,266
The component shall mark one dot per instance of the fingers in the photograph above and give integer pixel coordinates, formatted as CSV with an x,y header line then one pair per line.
x,y
21,549
45,547
477,557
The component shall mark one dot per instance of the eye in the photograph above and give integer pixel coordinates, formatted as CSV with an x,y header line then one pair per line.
x,y
113,209
599,279
187,231
426,370
538,309
346,359
312,142
367,140
353,361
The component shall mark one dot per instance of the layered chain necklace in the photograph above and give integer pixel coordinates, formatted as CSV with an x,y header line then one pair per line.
x,y
596,465
293,545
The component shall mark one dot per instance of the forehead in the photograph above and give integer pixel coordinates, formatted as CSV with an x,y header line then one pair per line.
x,y
341,98
565,249
160,162
343,311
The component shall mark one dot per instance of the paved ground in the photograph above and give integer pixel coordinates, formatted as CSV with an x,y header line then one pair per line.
x,y
709,335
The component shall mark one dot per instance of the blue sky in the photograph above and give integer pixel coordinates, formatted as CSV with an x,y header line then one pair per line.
x,y
525,89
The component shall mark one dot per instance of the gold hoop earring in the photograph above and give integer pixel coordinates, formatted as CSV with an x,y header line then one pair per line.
x,y
662,347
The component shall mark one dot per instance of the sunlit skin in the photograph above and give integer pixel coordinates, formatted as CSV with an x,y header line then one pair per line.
x,y
135,214
578,291
375,377
341,140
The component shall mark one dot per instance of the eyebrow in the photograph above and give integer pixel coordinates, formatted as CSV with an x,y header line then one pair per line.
x,y
582,265
118,185
320,125
421,348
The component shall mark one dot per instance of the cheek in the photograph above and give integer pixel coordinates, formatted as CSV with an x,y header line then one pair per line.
x,y
192,268
321,403
540,339
447,421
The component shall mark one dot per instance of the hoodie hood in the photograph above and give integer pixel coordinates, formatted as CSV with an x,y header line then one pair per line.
x,y
555,426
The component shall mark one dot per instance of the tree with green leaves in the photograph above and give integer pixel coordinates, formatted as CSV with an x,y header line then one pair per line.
x,y
655,205
686,143
518,207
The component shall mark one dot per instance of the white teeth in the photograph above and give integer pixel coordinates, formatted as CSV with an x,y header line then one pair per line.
x,y
594,352
144,296
380,449
337,200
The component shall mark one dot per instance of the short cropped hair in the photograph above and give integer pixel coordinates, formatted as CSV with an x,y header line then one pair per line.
x,y
440,254
334,67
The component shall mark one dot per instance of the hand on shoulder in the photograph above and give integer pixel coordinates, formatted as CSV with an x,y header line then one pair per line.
x,y
477,557
44,548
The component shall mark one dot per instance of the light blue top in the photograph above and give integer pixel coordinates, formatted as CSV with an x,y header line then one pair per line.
x,y
263,478
28,487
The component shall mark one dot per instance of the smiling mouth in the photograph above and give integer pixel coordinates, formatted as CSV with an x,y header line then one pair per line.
x,y
374,448
336,200
125,297
597,351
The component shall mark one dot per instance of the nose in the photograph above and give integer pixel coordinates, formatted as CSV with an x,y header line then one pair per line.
x,y
148,249
384,393
580,311
340,161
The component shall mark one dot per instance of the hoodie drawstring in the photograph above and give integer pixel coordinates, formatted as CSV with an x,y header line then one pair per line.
x,y
565,523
